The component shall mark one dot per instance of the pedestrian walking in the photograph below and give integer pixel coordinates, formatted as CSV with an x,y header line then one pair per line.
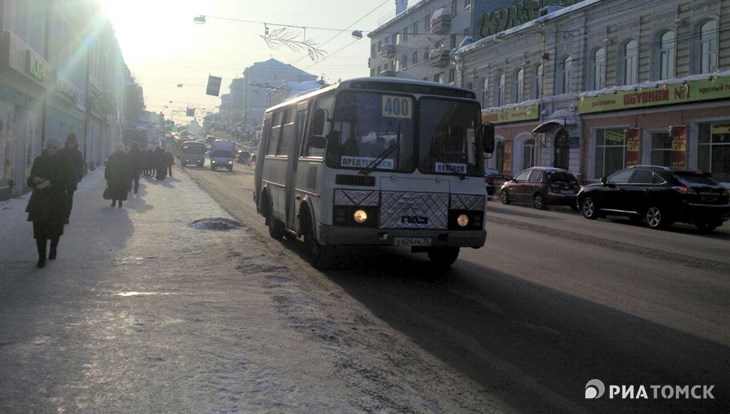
x,y
160,162
117,176
77,170
170,161
135,166
46,208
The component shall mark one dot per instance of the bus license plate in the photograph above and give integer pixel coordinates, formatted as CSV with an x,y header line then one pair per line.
x,y
412,241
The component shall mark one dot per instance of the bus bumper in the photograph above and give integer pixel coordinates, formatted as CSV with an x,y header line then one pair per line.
x,y
354,236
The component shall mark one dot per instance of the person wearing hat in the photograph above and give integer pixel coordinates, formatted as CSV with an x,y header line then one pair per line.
x,y
49,177
77,169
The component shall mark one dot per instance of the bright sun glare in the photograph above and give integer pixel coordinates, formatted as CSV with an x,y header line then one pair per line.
x,y
149,30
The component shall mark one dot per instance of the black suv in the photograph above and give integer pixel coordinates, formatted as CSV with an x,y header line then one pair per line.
x,y
658,196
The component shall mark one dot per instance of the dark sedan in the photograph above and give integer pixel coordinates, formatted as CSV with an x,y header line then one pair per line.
x,y
658,196
542,186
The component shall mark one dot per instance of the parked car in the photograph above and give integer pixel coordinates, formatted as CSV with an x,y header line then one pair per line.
x,y
658,196
542,186
493,180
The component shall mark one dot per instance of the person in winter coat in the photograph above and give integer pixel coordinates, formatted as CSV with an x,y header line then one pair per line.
x,y
170,161
77,170
136,158
49,177
160,161
117,175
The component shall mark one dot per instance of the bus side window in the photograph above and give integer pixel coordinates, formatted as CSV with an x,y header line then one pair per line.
x,y
319,128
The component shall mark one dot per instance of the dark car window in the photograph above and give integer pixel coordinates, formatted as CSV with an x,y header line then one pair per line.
x,y
522,176
621,177
560,177
645,177
696,178
536,176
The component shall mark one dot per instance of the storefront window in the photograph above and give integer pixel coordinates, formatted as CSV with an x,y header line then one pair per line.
x,y
661,149
610,151
714,150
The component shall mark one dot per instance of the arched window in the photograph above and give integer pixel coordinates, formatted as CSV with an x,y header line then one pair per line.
x,y
666,56
499,92
705,53
485,93
598,69
630,63
519,94
538,82
566,70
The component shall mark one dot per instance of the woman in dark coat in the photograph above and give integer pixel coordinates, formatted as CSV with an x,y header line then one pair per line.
x,y
77,169
117,175
47,205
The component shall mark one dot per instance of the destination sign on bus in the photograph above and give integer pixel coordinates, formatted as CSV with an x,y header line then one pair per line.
x,y
362,162
443,167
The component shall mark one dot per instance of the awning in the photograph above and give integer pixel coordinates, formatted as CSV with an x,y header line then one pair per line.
x,y
547,126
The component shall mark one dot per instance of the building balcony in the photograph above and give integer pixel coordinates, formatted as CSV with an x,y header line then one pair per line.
x,y
440,22
387,73
387,51
439,57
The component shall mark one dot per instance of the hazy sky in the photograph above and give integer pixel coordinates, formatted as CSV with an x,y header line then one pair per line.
x,y
163,47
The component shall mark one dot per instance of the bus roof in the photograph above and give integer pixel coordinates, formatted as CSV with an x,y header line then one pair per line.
x,y
388,84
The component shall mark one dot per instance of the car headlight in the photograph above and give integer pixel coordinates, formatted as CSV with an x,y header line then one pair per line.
x,y
360,216
462,220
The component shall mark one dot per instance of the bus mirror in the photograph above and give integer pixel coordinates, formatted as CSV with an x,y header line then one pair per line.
x,y
317,141
320,116
488,138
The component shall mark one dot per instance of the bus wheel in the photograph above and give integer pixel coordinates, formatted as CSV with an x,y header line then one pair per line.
x,y
320,255
276,228
443,257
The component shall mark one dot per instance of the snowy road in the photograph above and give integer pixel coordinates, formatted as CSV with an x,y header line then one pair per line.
x,y
143,312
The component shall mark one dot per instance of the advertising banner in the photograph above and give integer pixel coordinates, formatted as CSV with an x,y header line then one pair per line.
x,y
679,146
633,140
507,169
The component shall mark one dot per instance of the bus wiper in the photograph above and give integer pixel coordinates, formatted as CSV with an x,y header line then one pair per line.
x,y
370,167
450,167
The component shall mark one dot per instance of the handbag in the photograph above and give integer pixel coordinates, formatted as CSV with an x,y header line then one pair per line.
x,y
107,194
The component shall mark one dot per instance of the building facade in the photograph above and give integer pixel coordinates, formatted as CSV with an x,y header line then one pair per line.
x,y
61,72
601,85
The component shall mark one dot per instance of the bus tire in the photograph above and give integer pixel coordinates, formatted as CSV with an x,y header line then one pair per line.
x,y
320,255
443,257
276,227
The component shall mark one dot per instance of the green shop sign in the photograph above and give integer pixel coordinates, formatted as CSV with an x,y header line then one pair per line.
x,y
689,91
522,12
522,113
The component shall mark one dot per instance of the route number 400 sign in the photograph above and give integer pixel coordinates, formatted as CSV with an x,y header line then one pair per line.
x,y
396,107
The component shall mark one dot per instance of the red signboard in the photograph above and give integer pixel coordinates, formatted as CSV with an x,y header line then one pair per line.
x,y
633,139
507,167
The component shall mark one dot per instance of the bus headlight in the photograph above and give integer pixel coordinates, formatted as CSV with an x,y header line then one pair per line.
x,y
360,216
463,220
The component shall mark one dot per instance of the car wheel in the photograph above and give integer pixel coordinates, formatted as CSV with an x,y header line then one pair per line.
x,y
654,218
443,257
589,209
539,201
504,197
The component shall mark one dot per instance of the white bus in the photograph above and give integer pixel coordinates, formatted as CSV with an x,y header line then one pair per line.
x,y
377,162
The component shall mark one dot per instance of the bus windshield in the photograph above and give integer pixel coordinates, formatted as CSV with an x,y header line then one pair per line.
x,y
376,131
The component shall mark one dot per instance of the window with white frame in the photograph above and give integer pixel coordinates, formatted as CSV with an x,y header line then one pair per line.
x,y
630,63
519,85
666,53
485,93
538,81
705,54
565,74
610,151
598,69
500,89
714,149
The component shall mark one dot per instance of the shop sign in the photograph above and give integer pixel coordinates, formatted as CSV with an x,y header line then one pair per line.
x,y
679,146
720,129
523,11
522,113
67,89
24,59
633,138
689,91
